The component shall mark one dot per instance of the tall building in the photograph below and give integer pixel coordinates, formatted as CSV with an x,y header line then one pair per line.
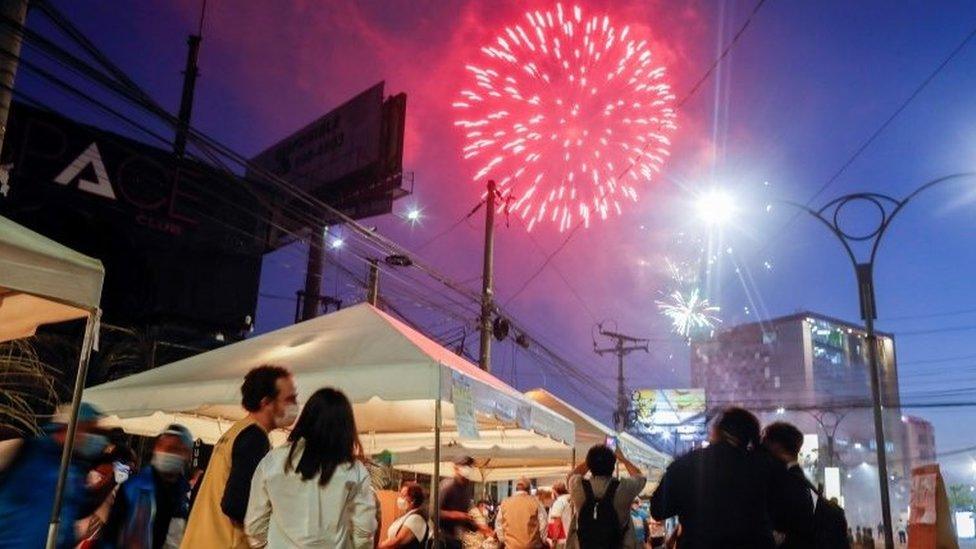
x,y
810,370
919,441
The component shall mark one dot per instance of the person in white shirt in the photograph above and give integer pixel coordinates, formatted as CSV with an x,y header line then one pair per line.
x,y
522,520
412,530
314,491
560,515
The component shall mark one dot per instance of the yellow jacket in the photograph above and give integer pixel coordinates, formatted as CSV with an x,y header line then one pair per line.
x,y
208,527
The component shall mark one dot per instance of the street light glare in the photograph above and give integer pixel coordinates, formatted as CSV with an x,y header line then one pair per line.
x,y
413,215
715,207
337,243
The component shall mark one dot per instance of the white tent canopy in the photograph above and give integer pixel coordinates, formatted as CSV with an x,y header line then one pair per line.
x,y
42,282
590,432
555,465
394,376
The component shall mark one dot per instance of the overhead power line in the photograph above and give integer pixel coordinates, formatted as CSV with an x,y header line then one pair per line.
x,y
872,137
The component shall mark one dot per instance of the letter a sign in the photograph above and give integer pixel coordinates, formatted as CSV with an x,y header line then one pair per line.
x,y
91,157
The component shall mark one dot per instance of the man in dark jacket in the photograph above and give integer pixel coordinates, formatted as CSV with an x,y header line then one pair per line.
x,y
147,504
791,498
719,493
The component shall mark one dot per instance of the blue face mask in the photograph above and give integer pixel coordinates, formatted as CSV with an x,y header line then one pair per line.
x,y
90,445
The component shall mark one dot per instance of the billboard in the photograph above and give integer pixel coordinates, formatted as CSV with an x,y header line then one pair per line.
x,y
668,407
350,158
181,241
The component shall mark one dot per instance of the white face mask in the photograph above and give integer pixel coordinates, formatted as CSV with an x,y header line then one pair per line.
x,y
121,472
402,504
291,414
168,463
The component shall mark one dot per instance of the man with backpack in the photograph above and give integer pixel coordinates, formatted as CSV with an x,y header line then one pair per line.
x,y
804,525
791,503
602,503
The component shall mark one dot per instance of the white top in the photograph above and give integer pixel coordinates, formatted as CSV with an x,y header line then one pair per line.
x,y
562,509
411,521
286,512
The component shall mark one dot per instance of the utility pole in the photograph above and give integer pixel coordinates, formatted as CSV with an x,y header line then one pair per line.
x,y
312,296
621,350
14,13
373,283
190,75
487,282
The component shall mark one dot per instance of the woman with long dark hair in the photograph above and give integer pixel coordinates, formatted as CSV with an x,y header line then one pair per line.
x,y
314,491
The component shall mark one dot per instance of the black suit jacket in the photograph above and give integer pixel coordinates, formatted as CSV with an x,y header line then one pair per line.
x,y
719,494
792,507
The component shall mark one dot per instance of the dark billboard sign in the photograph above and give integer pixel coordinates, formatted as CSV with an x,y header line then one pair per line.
x,y
181,241
350,158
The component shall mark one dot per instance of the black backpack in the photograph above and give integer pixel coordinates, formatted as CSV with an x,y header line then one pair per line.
x,y
597,524
829,523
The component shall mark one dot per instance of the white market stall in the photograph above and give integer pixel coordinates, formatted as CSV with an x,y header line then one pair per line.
x,y
412,398
554,465
43,282
590,432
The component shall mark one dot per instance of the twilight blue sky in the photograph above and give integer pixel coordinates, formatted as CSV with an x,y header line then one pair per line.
x,y
807,84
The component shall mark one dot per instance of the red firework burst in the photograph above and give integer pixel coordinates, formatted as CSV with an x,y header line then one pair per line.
x,y
568,115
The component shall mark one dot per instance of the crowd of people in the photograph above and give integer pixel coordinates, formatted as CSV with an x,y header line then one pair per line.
x,y
743,490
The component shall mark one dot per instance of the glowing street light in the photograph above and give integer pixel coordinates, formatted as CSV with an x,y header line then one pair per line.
x,y
413,215
338,243
715,207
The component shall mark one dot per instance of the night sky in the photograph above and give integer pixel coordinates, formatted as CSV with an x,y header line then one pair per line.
x,y
806,85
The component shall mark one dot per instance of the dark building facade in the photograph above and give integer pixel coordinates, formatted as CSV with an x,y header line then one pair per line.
x,y
181,241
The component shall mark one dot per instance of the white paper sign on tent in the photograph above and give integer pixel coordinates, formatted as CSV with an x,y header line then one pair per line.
x,y
467,424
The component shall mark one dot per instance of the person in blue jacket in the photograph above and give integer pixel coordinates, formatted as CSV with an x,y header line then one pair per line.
x,y
29,475
148,507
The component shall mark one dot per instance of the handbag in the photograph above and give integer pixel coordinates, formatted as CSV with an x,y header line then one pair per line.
x,y
556,531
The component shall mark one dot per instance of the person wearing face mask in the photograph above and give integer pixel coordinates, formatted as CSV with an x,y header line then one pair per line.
x,y
150,507
110,471
30,474
270,398
454,500
411,530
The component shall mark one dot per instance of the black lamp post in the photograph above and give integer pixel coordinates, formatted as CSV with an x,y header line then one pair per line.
x,y
888,207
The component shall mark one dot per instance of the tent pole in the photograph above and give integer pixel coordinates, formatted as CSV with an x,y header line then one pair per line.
x,y
91,329
436,481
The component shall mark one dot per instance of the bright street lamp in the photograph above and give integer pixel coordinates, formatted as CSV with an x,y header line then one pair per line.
x,y
715,207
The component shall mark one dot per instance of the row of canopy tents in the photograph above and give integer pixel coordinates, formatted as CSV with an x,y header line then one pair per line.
x,y
414,400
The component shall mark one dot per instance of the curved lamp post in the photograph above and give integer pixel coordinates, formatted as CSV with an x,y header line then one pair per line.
x,y
888,207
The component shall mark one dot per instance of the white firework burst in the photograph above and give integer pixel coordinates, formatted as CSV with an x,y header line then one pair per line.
x,y
689,313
